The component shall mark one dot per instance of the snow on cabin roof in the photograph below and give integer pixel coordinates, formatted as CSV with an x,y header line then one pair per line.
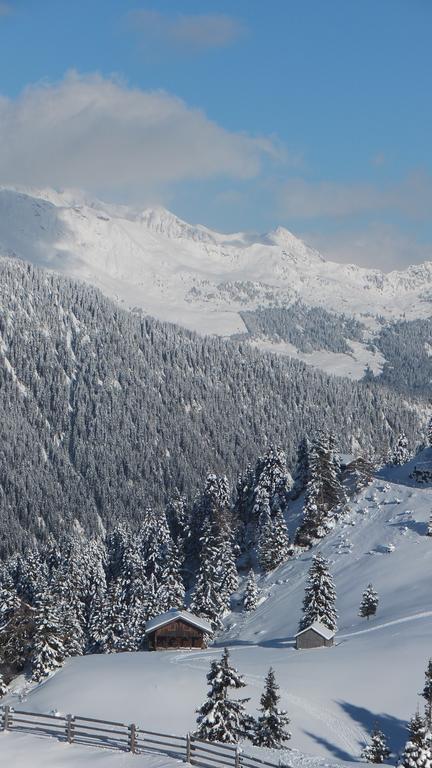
x,y
320,629
345,459
175,613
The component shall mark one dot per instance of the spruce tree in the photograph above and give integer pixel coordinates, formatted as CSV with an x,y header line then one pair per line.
x,y
271,727
400,454
221,718
273,541
320,596
369,603
113,629
3,687
417,752
48,652
250,598
208,599
377,750
324,492
302,473
427,693
265,538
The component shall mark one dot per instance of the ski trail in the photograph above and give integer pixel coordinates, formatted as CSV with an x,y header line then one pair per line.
x,y
403,620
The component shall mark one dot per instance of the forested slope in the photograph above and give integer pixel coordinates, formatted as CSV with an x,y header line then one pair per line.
x,y
104,412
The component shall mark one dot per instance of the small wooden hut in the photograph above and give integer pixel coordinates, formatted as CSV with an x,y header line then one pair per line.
x,y
317,635
177,629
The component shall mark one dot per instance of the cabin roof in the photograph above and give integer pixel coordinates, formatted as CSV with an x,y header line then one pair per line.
x,y
175,613
320,629
345,459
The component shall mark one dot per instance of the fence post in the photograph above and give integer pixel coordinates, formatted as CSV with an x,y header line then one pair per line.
x,y
7,717
69,728
237,760
188,748
132,738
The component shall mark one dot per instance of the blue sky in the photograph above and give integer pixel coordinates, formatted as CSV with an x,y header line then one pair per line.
x,y
314,114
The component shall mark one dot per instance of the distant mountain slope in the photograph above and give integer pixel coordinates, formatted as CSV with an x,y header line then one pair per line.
x,y
190,274
104,412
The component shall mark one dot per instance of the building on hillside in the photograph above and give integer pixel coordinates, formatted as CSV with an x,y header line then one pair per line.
x,y
317,635
356,471
177,629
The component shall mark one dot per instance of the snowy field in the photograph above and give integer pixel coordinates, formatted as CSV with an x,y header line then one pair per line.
x,y
22,751
334,696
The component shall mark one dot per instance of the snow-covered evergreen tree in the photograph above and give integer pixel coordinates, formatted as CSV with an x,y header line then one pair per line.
x,y
427,693
377,750
3,687
302,472
429,528
48,652
320,596
207,600
250,598
271,726
221,718
265,537
113,630
324,492
400,454
369,603
417,752
429,432
273,541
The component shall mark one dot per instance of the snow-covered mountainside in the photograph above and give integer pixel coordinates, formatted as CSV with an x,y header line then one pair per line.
x,y
190,274
334,696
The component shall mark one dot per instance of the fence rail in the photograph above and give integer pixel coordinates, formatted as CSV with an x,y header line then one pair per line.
x,y
108,734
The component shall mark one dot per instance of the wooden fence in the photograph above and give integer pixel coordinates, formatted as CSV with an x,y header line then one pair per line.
x,y
130,738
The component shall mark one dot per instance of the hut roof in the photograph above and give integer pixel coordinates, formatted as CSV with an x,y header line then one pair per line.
x,y
320,629
175,613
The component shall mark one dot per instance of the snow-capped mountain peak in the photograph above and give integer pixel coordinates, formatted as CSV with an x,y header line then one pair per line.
x,y
190,274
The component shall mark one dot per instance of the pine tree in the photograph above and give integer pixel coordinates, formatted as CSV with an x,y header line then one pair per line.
x,y
324,492
3,687
273,541
369,603
271,727
16,635
265,538
48,652
320,596
429,432
113,629
400,454
427,693
208,600
302,473
429,528
377,751
221,718
417,752
251,593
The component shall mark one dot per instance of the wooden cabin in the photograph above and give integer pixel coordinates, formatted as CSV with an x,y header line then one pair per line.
x,y
317,635
177,629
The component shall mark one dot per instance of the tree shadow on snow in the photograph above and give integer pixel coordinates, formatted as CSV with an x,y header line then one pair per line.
x,y
338,752
396,730
412,525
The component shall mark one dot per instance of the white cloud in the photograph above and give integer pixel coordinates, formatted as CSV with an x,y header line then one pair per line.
x,y
379,246
311,199
186,31
98,134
